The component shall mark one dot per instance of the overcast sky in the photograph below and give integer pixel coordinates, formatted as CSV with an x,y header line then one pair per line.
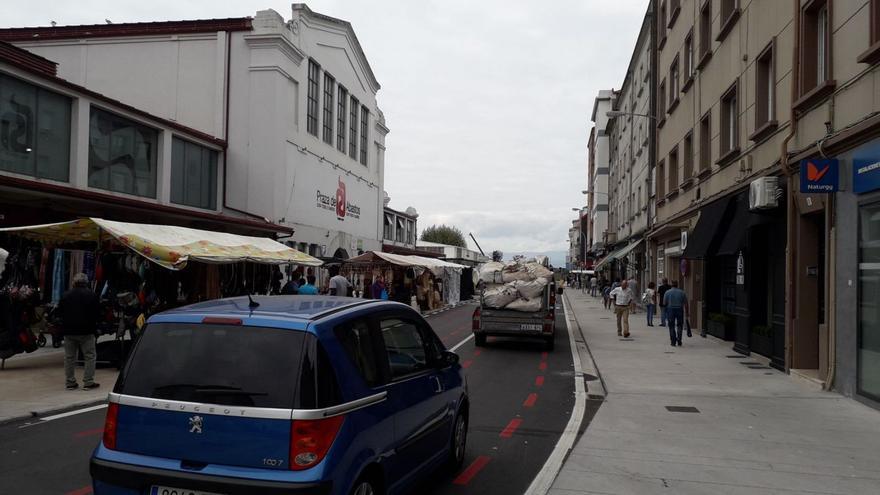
x,y
488,101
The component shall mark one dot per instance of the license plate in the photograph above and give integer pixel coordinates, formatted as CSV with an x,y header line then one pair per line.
x,y
529,327
167,490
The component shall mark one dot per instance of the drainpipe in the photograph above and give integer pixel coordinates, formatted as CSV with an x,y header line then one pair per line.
x,y
791,216
226,133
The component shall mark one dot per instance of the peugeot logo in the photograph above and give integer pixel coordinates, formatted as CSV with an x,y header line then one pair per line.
x,y
195,424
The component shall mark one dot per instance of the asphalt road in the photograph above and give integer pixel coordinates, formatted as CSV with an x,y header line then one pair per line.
x,y
521,396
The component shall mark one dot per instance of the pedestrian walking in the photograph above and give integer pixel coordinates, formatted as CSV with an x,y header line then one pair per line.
x,y
676,303
378,288
339,285
661,292
594,285
79,309
650,300
623,302
606,296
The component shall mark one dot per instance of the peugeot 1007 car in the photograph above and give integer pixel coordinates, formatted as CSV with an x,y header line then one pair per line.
x,y
284,394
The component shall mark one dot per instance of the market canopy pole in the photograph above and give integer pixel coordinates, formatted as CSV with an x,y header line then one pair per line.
x,y
170,246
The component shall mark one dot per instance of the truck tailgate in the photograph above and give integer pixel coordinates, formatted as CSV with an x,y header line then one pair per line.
x,y
511,321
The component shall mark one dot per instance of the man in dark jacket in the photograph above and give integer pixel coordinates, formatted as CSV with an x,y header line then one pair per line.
x,y
79,309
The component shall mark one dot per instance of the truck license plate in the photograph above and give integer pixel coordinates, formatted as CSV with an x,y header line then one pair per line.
x,y
526,326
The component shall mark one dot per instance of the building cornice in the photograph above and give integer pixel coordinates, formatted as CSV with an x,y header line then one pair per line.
x,y
278,42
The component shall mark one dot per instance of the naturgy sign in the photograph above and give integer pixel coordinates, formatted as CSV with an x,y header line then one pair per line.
x,y
338,203
820,176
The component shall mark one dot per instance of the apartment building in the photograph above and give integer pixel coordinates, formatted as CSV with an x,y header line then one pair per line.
x,y
630,130
599,151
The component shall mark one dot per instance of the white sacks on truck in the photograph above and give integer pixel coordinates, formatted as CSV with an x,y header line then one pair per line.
x,y
523,286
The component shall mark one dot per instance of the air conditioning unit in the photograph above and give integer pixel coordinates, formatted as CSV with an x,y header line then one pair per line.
x,y
764,193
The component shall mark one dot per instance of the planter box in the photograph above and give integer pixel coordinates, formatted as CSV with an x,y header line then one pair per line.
x,y
721,330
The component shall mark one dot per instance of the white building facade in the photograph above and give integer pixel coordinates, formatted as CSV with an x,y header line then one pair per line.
x,y
295,102
597,180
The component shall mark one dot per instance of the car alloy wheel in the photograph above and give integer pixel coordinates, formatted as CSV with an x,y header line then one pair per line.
x,y
363,488
459,441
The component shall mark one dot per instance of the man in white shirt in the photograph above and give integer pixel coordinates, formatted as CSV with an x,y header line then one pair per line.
x,y
623,299
338,284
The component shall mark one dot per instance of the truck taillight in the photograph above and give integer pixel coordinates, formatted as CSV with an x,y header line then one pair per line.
x,y
310,440
549,321
475,321
110,425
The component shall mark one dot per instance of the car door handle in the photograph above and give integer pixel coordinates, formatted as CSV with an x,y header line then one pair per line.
x,y
437,386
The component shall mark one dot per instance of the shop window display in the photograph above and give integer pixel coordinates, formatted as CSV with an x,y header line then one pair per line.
x,y
869,300
34,131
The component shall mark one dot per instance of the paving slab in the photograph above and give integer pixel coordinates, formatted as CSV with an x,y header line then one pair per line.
x,y
690,420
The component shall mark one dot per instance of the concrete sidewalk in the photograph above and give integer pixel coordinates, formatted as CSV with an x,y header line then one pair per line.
x,y
33,385
754,430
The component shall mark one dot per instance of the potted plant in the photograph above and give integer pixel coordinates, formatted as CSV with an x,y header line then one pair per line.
x,y
721,325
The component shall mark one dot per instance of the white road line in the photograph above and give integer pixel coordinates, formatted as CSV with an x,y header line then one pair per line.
x,y
463,342
544,480
73,413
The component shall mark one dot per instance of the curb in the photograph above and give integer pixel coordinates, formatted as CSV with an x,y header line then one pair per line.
x,y
54,410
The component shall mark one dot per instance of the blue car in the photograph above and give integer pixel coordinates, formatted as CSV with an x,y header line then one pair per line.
x,y
283,394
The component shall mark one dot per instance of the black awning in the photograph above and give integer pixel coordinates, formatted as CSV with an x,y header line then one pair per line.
x,y
741,221
702,241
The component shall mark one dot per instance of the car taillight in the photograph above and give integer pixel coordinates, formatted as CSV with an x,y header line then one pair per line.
x,y
110,426
475,321
311,439
548,322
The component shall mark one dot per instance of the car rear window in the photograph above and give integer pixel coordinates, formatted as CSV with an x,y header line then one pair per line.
x,y
216,364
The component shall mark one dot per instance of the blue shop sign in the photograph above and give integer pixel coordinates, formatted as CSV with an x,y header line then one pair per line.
x,y
866,175
820,176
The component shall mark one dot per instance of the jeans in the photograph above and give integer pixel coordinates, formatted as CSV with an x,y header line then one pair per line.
x,y
622,313
675,318
663,315
650,309
86,344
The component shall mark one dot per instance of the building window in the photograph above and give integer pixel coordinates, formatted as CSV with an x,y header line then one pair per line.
x,y
706,143
193,175
705,30
341,114
765,88
688,157
389,227
661,25
329,91
400,232
869,294
353,106
875,21
661,100
689,55
122,155
815,69
674,82
312,107
34,131
729,15
365,119
729,123
673,170
674,9
872,54
661,179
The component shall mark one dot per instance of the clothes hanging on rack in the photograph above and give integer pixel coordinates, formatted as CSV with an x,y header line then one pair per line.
x,y
58,276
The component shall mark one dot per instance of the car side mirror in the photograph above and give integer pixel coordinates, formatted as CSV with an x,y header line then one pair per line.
x,y
448,358
559,291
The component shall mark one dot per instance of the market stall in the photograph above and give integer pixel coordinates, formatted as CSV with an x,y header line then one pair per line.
x,y
432,281
136,268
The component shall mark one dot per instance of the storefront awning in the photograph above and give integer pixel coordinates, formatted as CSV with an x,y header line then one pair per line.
x,y
619,254
738,227
377,257
702,241
169,246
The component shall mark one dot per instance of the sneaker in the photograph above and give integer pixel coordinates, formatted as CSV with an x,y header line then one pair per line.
x,y
72,386
626,335
91,386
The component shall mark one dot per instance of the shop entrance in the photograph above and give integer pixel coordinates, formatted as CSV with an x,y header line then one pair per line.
x,y
809,326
